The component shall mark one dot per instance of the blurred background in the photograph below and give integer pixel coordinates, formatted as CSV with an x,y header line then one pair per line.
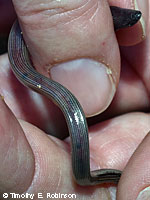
x,y
7,17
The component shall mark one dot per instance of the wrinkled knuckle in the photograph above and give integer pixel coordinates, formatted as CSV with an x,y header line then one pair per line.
x,y
56,12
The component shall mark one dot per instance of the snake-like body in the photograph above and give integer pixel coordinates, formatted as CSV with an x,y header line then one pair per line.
x,y
74,115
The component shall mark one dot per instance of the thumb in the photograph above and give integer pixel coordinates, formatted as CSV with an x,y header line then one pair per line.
x,y
73,42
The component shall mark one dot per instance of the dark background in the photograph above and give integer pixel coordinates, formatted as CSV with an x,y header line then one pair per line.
x,y
3,45
7,17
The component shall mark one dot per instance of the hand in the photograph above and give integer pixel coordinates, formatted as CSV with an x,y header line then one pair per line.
x,y
27,152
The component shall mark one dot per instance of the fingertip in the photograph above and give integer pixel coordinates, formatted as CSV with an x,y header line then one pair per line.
x,y
16,158
136,174
52,161
131,36
66,42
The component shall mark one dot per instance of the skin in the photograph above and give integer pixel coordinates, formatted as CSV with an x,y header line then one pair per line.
x,y
39,142
66,101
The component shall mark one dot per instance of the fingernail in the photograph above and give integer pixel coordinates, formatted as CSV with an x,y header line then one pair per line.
x,y
90,82
144,194
144,8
